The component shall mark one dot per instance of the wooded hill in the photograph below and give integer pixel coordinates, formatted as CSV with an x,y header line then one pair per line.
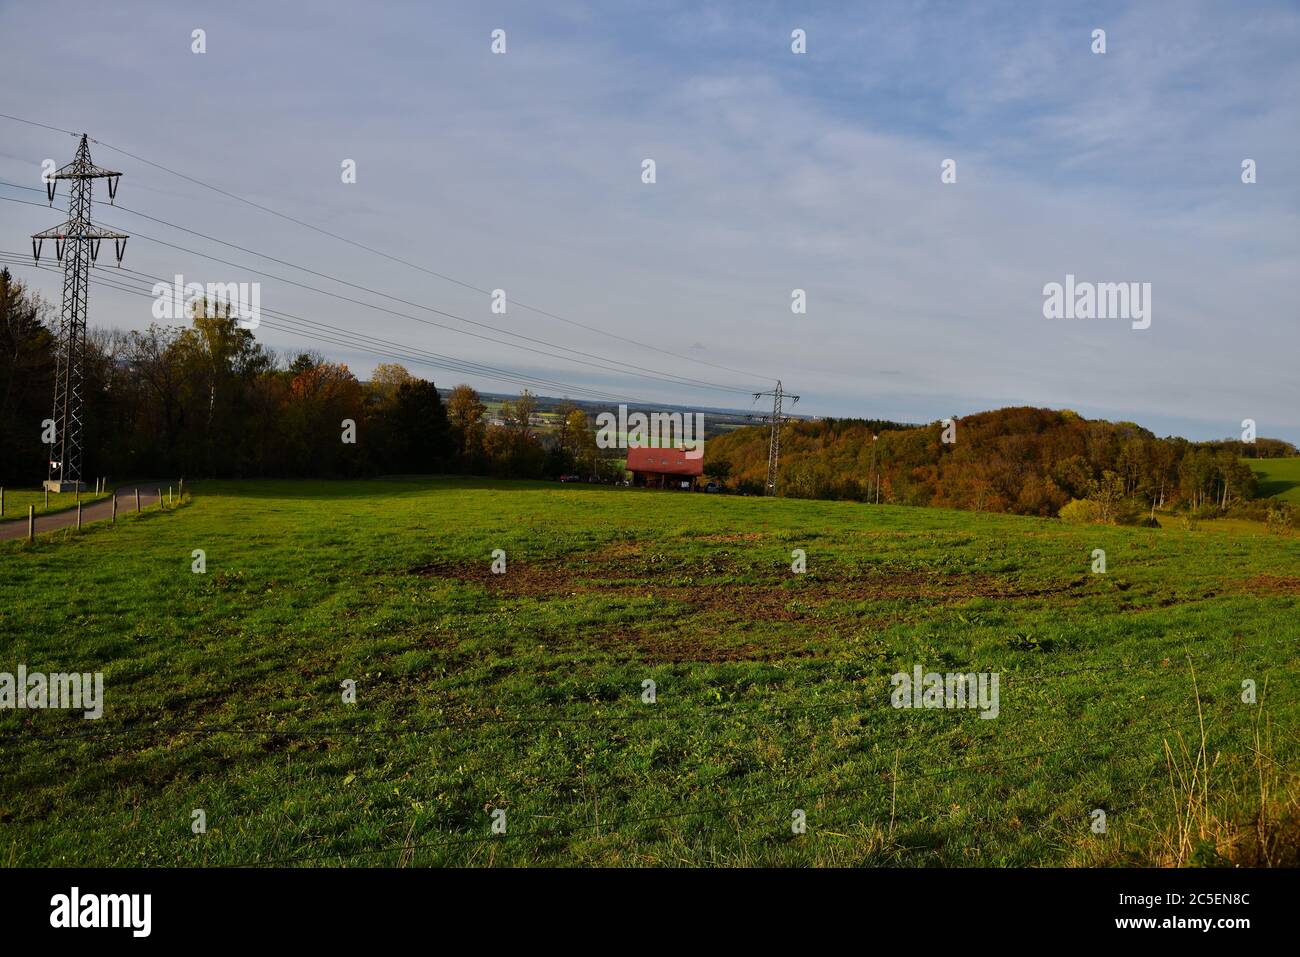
x,y
1023,460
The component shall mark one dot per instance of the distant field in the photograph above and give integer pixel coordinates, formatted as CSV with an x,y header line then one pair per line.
x,y
1278,477
523,692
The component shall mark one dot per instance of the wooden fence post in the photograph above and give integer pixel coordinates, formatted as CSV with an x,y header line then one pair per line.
x,y
78,516
31,523
114,506
47,498
137,501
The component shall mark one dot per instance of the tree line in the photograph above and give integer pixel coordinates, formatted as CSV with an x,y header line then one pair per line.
x,y
207,399
1022,460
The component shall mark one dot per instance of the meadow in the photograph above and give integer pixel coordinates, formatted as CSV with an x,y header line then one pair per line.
x,y
522,700
1278,478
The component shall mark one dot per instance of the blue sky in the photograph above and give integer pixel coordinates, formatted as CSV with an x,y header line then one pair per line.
x,y
775,171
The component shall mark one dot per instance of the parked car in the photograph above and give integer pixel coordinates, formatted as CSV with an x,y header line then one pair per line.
x,y
570,478
713,487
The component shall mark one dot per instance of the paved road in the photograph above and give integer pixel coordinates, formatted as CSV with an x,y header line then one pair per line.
x,y
95,512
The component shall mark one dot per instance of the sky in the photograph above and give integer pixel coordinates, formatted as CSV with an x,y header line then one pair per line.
x,y
774,171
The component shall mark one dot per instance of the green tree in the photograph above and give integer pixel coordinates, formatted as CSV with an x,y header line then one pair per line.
x,y
423,435
26,382
718,469
465,411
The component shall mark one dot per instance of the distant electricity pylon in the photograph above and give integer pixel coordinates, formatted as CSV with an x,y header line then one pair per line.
x,y
76,244
774,450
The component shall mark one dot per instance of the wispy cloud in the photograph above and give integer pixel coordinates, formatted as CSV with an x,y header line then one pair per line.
x,y
775,172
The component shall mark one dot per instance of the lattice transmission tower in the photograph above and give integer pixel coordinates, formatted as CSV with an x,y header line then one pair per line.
x,y
774,449
76,244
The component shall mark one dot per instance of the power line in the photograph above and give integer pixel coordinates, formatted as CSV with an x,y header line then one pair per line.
x,y
404,262
76,243
413,354
359,342
774,446
392,258
43,126
336,335
683,380
665,378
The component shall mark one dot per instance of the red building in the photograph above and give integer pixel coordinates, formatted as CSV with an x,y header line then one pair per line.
x,y
664,468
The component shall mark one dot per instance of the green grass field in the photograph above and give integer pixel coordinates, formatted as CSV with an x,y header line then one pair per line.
x,y
523,692
17,500
1278,477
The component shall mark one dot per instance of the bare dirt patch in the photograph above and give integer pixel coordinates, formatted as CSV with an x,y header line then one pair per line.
x,y
663,646
520,578
762,595
1271,585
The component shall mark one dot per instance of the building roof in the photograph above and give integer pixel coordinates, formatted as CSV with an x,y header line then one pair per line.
x,y
667,461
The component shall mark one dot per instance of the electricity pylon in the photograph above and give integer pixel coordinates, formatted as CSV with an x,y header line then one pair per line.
x,y
76,245
774,449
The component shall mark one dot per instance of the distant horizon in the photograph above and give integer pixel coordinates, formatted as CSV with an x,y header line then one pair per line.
x,y
865,418
875,219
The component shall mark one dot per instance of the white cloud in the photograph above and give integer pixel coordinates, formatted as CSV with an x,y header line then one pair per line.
x,y
523,172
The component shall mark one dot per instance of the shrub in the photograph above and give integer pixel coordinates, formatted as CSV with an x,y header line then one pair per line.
x,y
1080,511
1129,512
1281,518
1255,510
